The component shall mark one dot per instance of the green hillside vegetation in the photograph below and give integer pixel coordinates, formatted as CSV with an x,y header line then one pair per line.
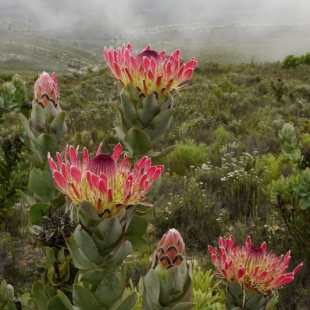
x,y
231,172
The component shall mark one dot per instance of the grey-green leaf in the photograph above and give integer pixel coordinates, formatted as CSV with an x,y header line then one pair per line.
x,y
159,125
39,186
150,109
84,299
137,142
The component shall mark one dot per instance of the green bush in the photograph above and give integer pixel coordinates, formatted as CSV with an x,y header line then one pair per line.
x,y
13,168
223,136
206,291
292,61
187,154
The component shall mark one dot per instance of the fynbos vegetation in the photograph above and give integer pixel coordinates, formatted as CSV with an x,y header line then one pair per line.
x,y
235,144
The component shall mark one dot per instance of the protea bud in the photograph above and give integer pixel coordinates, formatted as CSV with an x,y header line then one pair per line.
x,y
46,90
171,249
168,283
147,84
252,274
46,109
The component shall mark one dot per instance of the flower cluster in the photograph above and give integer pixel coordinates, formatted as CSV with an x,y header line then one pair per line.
x,y
46,90
149,71
252,267
102,181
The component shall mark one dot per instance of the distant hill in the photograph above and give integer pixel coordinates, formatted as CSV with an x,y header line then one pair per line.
x,y
26,47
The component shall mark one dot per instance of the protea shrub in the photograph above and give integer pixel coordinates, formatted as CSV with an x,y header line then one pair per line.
x,y
45,130
46,126
168,283
252,274
148,85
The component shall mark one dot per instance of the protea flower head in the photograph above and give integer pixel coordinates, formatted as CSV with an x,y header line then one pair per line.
x,y
251,266
104,181
46,90
149,71
171,249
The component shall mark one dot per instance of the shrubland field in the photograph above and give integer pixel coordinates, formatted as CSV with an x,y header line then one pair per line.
x,y
242,137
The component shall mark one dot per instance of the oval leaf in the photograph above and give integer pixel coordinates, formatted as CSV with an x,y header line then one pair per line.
x,y
56,303
137,142
150,109
109,290
84,299
46,144
37,211
88,216
40,297
39,186
65,300
58,126
159,125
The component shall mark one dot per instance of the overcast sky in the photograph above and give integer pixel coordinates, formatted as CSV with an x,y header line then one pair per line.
x,y
259,27
119,15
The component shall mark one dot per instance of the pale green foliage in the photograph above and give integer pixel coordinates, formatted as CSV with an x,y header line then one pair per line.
x,y
206,291
273,303
289,138
6,292
290,143
305,139
223,136
302,188
138,290
269,166
186,154
283,187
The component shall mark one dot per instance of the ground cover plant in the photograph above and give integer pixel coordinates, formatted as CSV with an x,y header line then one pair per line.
x,y
235,148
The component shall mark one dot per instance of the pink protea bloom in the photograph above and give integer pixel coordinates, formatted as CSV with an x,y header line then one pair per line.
x,y
171,249
149,71
106,182
46,90
252,267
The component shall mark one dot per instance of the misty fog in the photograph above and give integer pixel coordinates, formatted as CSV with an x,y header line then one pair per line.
x,y
112,17
284,22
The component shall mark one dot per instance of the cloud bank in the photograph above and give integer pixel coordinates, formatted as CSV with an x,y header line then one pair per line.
x,y
112,17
